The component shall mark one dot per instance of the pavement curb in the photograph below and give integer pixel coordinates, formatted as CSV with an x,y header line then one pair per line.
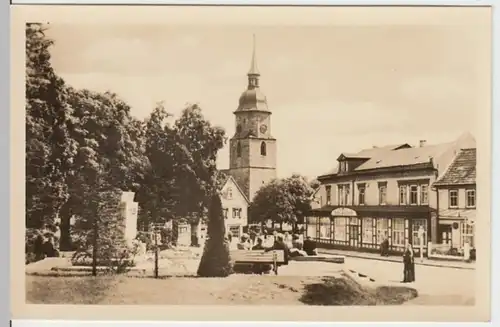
x,y
398,261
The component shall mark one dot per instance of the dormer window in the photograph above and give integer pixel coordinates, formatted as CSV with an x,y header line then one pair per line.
x,y
343,166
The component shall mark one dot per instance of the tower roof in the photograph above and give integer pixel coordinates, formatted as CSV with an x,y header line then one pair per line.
x,y
253,66
252,99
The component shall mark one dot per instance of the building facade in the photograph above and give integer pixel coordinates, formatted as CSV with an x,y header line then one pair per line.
x,y
234,207
381,193
456,203
252,154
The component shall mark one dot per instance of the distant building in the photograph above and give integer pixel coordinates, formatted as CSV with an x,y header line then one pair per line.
x,y
456,203
381,192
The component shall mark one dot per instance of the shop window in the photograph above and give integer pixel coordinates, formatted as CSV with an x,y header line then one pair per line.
x,y
367,230
382,229
415,227
467,234
340,229
325,230
311,230
398,232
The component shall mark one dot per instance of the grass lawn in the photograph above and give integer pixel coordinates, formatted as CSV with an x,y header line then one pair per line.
x,y
236,289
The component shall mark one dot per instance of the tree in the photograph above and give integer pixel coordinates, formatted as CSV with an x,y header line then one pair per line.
x,y
110,151
283,201
49,148
197,172
157,195
215,261
314,183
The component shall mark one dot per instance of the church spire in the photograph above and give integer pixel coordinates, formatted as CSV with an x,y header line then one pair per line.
x,y
253,73
253,67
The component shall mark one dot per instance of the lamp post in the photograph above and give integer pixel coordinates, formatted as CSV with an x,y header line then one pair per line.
x,y
421,242
156,229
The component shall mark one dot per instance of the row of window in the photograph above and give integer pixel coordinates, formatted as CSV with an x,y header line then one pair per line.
x,y
263,149
373,230
470,198
236,212
408,194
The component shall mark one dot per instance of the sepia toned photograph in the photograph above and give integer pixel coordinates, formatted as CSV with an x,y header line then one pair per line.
x,y
302,163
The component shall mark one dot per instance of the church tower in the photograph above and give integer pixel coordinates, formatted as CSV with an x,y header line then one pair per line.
x,y
252,157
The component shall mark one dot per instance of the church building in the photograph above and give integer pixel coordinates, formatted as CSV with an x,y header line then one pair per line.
x,y
252,153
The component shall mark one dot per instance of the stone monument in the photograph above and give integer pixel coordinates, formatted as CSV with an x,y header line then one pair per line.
x,y
129,210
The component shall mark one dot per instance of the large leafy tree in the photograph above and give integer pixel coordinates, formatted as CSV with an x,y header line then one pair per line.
x,y
282,201
196,174
50,150
157,195
110,152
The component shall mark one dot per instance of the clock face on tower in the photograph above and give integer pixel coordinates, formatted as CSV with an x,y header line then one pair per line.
x,y
263,128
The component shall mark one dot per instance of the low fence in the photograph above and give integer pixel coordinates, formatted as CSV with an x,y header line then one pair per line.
x,y
448,252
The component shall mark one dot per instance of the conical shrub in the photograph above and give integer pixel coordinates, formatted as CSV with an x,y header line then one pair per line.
x,y
215,261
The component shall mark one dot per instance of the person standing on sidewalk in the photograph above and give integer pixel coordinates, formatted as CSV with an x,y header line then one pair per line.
x,y
408,265
384,246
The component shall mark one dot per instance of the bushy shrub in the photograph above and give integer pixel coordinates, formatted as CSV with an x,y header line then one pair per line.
x,y
103,225
39,244
117,260
215,261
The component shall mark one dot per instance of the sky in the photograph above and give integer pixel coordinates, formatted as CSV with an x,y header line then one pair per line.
x,y
331,89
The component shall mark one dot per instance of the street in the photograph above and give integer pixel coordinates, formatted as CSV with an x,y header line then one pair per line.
x,y
431,282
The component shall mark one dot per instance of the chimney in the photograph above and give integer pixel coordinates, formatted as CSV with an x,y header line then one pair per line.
x,y
422,143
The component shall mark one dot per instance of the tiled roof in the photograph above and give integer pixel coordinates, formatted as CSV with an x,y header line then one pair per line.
x,y
404,157
226,177
369,153
462,170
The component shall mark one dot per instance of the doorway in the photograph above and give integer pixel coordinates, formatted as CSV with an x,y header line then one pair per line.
x,y
445,234
354,231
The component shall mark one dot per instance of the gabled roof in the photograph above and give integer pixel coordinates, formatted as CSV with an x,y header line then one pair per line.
x,y
462,171
227,179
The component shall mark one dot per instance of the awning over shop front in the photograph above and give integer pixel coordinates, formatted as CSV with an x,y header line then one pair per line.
x,y
458,214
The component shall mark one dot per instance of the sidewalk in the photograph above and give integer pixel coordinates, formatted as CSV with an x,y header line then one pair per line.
x,y
376,256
